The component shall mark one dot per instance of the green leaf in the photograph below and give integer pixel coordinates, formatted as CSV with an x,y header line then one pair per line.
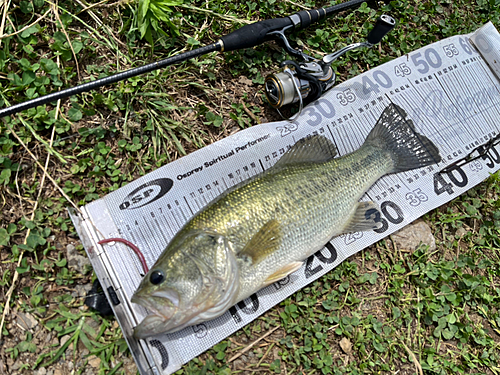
x,y
61,263
21,270
192,41
49,66
396,312
143,8
447,334
77,46
74,114
34,240
29,31
26,7
25,346
28,78
378,346
60,37
11,228
4,237
451,319
36,299
5,176
75,169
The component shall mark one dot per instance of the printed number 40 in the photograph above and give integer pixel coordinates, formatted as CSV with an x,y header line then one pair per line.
x,y
442,186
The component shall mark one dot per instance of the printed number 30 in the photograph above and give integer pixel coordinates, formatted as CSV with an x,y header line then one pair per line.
x,y
394,217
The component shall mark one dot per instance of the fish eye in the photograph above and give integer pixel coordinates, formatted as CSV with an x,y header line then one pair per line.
x,y
156,277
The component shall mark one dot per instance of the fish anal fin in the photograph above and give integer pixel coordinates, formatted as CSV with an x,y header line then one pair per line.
x,y
283,272
366,217
313,149
264,242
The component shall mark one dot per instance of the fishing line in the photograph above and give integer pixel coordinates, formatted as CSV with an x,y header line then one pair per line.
x,y
132,246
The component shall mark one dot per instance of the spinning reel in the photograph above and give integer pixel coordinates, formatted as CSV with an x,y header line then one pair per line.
x,y
298,82
306,81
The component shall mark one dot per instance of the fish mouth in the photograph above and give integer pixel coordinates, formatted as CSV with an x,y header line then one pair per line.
x,y
162,317
158,304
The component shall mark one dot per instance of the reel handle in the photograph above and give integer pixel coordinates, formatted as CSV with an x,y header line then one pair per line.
x,y
382,27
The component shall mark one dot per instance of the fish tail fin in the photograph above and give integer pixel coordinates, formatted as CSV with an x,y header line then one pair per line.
x,y
408,148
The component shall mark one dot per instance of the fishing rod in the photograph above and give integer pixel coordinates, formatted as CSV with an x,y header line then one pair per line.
x,y
246,37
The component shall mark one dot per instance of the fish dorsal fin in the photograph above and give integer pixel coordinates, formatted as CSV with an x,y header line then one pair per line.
x,y
311,149
264,242
366,217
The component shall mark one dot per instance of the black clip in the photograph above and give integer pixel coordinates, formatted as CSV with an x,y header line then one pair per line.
x,y
482,150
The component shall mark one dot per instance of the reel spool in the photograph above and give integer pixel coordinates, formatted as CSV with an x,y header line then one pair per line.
x,y
307,81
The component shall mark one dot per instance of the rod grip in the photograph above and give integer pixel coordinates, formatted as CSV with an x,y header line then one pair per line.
x,y
253,34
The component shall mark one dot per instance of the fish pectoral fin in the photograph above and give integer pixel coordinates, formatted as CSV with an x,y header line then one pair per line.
x,y
366,217
283,272
266,241
314,149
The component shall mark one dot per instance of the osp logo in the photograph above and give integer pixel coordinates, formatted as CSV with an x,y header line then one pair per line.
x,y
147,193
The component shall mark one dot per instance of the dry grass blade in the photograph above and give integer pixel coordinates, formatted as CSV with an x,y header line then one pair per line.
x,y
5,5
2,36
212,13
48,146
56,14
97,5
252,344
297,4
102,24
44,170
42,183
418,368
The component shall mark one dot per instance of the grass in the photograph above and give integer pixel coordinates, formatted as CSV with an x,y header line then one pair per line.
x,y
382,311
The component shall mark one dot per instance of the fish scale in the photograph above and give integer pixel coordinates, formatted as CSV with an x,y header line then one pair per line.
x,y
298,197
262,229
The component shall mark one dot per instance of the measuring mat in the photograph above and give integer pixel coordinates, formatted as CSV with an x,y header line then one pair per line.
x,y
449,89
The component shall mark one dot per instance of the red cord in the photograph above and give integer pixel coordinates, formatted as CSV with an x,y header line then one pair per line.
x,y
132,246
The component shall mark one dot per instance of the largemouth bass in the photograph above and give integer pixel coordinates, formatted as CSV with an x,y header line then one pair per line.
x,y
262,230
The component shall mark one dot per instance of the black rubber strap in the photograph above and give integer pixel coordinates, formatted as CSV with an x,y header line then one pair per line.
x,y
308,17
